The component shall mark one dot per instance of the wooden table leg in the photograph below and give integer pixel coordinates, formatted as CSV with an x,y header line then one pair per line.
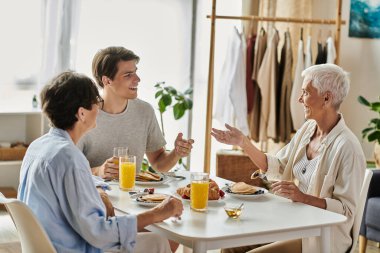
x,y
362,244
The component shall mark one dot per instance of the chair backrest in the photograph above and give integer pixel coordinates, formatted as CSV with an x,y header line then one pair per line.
x,y
32,235
360,208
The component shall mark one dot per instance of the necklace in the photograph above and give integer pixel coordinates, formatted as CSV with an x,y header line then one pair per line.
x,y
308,163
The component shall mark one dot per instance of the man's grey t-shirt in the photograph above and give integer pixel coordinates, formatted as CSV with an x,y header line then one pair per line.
x,y
136,128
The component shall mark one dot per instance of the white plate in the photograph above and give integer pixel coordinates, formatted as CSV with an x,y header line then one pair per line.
x,y
246,196
137,197
163,181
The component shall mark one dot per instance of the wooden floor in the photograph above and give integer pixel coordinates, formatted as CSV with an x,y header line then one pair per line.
x,y
9,241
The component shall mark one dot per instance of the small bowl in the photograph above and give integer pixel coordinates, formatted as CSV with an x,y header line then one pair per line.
x,y
233,212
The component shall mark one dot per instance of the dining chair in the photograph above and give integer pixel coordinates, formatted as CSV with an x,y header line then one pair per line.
x,y
360,208
32,235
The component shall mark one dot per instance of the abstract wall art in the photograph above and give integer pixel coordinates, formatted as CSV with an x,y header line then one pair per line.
x,y
365,19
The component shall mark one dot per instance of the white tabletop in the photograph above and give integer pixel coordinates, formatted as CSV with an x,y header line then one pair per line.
x,y
266,219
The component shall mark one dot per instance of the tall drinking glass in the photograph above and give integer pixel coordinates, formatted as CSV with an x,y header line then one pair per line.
x,y
199,191
127,172
117,153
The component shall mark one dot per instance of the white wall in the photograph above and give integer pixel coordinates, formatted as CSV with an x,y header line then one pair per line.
x,y
159,32
223,29
360,57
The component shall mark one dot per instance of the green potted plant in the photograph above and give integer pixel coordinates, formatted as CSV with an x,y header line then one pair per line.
x,y
372,132
168,96
165,96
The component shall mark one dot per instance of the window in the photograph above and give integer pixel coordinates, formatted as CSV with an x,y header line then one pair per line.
x,y
159,32
20,46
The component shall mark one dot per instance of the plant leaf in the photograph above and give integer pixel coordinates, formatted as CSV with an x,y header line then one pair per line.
x,y
189,91
178,97
188,104
171,90
363,101
158,93
375,107
375,135
167,99
375,121
144,165
178,111
366,130
162,105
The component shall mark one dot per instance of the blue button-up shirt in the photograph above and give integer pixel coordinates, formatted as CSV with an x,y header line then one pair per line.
x,y
56,183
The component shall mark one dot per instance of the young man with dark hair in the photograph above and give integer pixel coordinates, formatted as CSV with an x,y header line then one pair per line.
x,y
126,120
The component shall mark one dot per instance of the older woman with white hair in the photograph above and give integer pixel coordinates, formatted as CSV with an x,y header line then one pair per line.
x,y
323,165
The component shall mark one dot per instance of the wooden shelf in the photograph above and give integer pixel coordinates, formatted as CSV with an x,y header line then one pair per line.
x,y
10,163
19,111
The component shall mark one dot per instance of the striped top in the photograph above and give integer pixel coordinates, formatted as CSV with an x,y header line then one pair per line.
x,y
303,170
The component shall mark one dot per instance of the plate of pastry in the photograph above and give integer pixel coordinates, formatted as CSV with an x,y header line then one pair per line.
x,y
242,190
150,200
214,194
150,178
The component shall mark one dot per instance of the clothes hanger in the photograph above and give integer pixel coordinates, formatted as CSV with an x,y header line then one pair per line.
x,y
319,37
262,31
250,29
329,34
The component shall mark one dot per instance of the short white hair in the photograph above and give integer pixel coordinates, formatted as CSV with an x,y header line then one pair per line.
x,y
328,77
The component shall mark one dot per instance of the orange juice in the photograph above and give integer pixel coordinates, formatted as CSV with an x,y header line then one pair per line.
x,y
199,195
127,174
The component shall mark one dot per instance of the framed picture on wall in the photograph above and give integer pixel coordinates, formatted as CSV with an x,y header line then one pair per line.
x,y
365,19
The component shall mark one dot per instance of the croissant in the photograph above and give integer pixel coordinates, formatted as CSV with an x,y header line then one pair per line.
x,y
213,194
184,191
213,191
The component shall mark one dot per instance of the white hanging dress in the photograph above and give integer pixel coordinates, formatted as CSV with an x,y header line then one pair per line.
x,y
231,105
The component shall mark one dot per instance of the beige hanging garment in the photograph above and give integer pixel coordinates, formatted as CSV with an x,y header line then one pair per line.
x,y
285,124
267,80
254,116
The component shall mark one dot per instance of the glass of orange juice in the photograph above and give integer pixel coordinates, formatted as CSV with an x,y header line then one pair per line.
x,y
199,191
119,152
127,172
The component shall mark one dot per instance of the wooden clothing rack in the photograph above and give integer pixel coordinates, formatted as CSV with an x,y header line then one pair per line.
x,y
338,22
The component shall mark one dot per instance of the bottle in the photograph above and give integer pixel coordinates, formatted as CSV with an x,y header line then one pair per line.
x,y
34,101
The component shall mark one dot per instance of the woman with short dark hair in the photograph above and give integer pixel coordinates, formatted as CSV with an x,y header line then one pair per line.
x,y
56,181
67,93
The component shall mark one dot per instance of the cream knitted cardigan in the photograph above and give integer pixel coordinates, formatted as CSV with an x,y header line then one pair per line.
x,y
337,179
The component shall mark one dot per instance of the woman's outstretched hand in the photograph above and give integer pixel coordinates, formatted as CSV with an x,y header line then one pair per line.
x,y
231,136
